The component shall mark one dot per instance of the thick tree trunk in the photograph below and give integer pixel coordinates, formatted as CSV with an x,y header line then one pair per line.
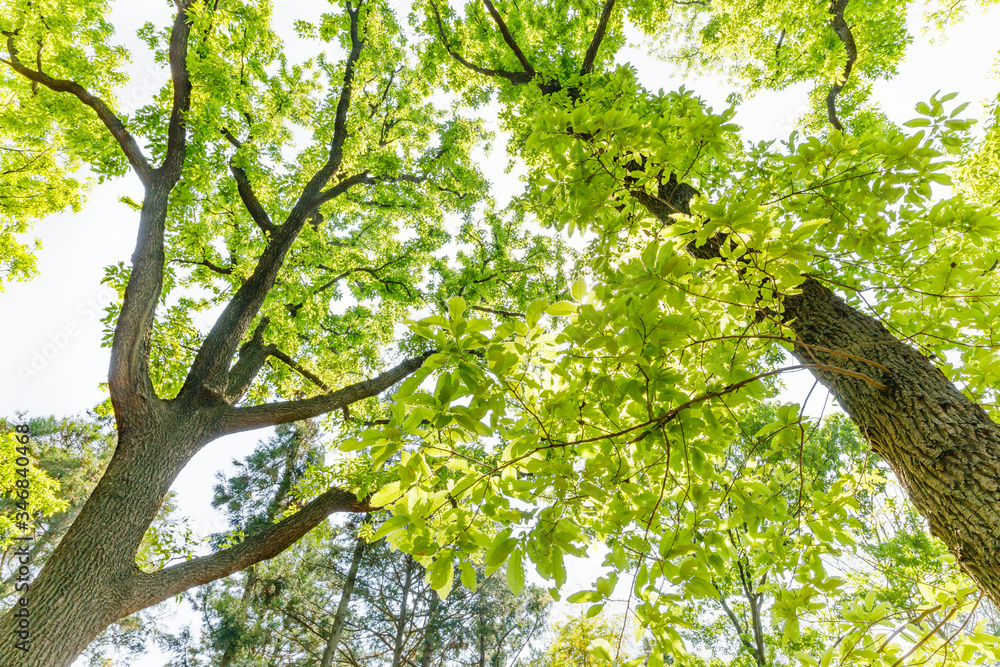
x,y
943,448
91,578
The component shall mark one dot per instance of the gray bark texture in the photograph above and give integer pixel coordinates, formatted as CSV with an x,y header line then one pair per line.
x,y
943,447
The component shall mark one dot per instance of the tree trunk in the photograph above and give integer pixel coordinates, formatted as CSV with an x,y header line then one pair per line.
x,y
397,649
943,448
229,654
340,619
91,579
430,631
292,452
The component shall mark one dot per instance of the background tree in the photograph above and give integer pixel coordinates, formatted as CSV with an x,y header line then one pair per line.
x,y
711,259
679,326
336,597
39,161
581,641
71,454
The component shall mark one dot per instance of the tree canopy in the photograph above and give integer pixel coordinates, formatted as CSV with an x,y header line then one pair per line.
x,y
508,401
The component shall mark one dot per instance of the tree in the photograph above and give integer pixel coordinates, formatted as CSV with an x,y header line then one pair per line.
x,y
71,455
38,159
711,260
581,642
334,598
297,229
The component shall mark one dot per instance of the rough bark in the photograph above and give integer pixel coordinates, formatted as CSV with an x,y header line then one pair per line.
x,y
91,576
943,447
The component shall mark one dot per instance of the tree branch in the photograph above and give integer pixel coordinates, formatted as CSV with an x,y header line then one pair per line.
x,y
308,201
509,39
272,414
268,543
516,78
298,368
208,372
173,162
211,266
735,621
128,376
250,201
498,311
342,187
843,31
595,43
253,354
114,124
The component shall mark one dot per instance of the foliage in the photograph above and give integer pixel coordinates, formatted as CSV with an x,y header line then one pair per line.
x,y
283,611
582,642
43,144
69,455
45,500
624,396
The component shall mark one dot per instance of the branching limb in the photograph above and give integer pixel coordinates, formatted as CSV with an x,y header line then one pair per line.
x,y
268,543
272,414
843,31
342,187
211,266
250,201
173,162
128,376
735,621
516,78
374,273
308,201
253,354
509,38
125,140
298,368
595,43
208,373
498,311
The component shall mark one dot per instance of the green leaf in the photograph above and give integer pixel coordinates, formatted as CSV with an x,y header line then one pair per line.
x,y
390,525
385,495
561,309
456,307
584,596
515,572
441,575
501,547
468,574
535,310
601,649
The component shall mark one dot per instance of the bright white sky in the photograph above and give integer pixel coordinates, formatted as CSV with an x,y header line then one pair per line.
x,y
54,363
